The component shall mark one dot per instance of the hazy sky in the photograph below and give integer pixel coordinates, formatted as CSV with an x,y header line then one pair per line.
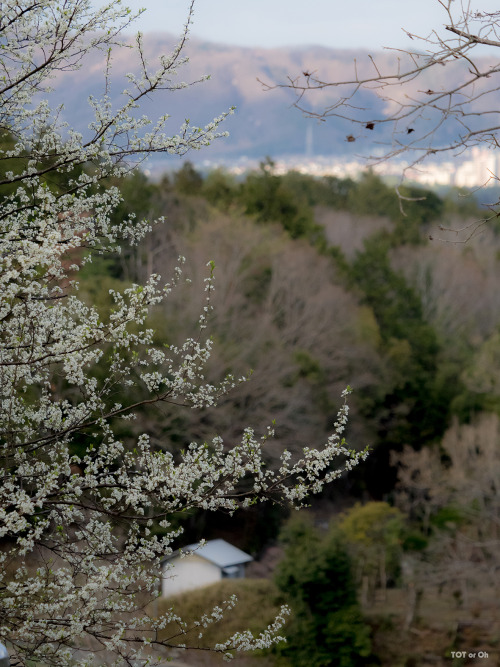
x,y
334,23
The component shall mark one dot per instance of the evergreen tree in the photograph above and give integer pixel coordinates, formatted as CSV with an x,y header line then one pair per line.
x,y
327,626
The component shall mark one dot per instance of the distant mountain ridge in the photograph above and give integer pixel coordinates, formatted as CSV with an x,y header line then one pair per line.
x,y
264,123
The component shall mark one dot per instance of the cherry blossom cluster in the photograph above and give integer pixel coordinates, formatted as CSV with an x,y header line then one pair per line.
x,y
85,515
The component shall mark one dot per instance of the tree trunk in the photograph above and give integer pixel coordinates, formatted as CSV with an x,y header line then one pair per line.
x,y
414,598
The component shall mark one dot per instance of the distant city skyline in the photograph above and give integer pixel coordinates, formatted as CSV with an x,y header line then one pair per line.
x,y
275,23
471,173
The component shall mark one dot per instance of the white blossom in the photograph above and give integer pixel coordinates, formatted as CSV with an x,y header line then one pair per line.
x,y
76,521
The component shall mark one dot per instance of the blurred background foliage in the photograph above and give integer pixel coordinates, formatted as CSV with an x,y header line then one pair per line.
x,y
320,283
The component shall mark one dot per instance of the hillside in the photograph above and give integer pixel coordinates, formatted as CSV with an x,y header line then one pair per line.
x,y
264,123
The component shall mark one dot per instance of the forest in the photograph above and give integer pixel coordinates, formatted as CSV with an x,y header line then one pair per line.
x,y
320,284
197,356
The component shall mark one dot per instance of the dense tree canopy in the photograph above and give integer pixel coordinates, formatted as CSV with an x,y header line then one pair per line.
x,y
86,502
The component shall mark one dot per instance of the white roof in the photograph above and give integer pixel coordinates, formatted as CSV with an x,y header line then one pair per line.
x,y
219,552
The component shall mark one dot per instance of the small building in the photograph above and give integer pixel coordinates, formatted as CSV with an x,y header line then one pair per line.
x,y
203,565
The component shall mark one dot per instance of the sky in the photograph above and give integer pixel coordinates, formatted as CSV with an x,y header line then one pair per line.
x,y
371,24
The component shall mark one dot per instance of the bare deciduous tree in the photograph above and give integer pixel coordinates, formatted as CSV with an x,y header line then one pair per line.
x,y
439,98
454,490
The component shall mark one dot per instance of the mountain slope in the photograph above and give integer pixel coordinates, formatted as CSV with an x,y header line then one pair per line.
x,y
264,123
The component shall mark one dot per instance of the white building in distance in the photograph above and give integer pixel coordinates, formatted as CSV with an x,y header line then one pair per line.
x,y
195,566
